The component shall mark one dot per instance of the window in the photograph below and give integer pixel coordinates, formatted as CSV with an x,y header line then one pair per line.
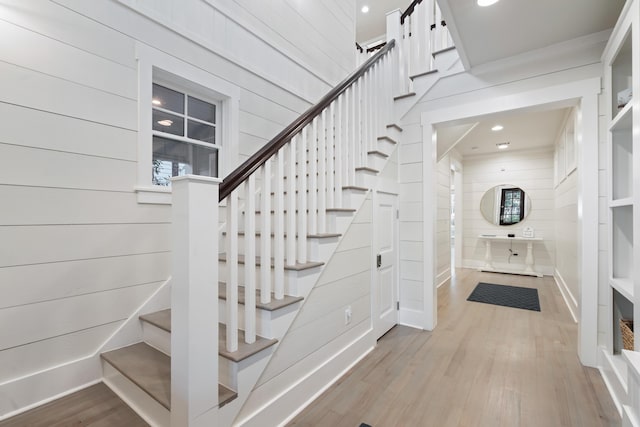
x,y
185,135
512,206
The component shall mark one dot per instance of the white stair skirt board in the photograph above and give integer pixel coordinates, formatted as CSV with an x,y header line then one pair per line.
x,y
143,404
280,399
614,373
42,387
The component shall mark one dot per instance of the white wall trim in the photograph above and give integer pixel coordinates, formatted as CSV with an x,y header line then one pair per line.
x,y
154,64
568,297
442,278
584,92
411,318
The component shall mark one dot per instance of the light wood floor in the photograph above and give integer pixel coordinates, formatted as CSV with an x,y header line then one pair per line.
x,y
95,406
484,365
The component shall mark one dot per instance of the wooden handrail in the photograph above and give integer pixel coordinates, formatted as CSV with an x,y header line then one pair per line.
x,y
242,172
409,10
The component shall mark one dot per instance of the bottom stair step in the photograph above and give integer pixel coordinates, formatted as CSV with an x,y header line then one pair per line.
x,y
150,370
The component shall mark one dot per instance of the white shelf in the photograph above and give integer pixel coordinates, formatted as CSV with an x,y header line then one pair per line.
x,y
620,203
624,119
624,286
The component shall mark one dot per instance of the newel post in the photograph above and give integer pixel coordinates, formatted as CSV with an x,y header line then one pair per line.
x,y
194,301
394,32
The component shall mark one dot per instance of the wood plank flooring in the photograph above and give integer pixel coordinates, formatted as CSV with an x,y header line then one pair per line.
x,y
484,365
95,406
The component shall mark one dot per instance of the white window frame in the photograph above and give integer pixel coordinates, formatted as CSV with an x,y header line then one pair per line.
x,y
155,66
201,95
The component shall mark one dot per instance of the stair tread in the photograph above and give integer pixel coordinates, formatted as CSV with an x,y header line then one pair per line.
x,y
446,49
355,187
146,367
378,153
271,306
312,236
244,350
150,370
393,125
161,319
296,267
426,73
388,138
406,95
367,169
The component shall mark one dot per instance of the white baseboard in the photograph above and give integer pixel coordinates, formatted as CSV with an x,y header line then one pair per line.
x,y
443,277
568,297
411,318
280,399
27,392
613,378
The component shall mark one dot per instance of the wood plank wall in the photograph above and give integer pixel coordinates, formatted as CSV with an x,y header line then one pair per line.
x,y
77,252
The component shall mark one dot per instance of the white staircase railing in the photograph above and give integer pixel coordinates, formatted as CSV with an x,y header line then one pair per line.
x,y
301,172
422,32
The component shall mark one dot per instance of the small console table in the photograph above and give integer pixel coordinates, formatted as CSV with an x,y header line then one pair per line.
x,y
528,261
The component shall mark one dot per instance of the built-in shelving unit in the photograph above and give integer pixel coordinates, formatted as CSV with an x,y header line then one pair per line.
x,y
622,81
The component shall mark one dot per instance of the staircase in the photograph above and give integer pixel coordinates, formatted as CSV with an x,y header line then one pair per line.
x,y
284,210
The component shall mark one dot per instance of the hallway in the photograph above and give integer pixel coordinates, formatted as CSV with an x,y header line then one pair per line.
x,y
484,365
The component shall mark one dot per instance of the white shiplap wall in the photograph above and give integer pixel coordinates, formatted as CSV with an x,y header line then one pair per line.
x,y
546,68
533,172
78,254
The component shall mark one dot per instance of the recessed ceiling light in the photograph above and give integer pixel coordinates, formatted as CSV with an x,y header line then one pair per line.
x,y
165,122
502,145
497,128
155,101
485,3
365,9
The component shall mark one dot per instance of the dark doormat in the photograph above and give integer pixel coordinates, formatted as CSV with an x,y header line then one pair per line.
x,y
508,296
364,425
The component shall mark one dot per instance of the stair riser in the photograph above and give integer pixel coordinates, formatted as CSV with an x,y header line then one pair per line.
x,y
329,215
156,338
376,162
143,404
353,198
269,324
386,146
317,248
241,275
366,179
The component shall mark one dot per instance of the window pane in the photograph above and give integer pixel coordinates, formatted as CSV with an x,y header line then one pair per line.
x,y
168,99
169,123
201,132
175,158
201,110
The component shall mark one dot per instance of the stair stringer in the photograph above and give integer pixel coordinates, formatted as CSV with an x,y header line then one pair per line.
x,y
422,84
272,400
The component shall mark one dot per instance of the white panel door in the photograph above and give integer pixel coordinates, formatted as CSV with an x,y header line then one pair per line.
x,y
386,313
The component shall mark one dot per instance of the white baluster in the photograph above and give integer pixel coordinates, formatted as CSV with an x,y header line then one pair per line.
x,y
365,107
231,304
278,230
313,178
265,235
439,30
354,132
430,13
375,106
302,199
339,151
394,32
291,203
330,156
408,55
322,177
250,259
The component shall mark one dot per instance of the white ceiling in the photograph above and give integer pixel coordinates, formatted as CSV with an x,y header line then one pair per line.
x,y
373,24
511,27
523,131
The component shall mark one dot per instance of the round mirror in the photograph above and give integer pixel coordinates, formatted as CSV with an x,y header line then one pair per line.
x,y
505,205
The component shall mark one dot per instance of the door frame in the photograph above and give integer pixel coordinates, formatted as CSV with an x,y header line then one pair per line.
x,y
580,92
